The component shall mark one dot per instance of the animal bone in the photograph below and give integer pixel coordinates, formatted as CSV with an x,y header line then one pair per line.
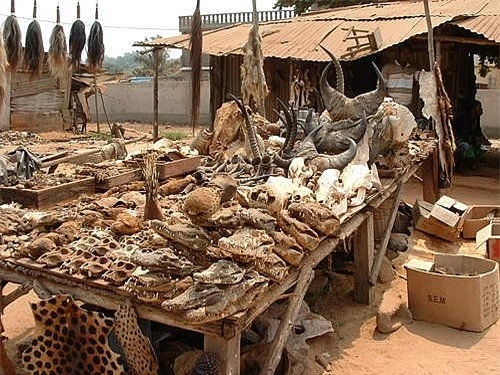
x,y
316,216
303,234
119,271
299,172
223,272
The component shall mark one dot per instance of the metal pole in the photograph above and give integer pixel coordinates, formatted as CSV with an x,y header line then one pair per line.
x,y
430,37
156,56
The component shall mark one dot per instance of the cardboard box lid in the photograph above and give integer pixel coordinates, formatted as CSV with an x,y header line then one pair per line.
x,y
445,216
419,264
492,230
452,204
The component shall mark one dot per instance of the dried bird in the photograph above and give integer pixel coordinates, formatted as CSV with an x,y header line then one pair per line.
x,y
58,50
12,38
152,208
195,57
95,46
34,51
77,39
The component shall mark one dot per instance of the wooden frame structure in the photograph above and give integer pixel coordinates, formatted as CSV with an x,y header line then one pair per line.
x,y
223,337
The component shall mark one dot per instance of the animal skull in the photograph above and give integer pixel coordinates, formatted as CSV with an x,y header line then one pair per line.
x,y
325,185
302,194
356,181
299,172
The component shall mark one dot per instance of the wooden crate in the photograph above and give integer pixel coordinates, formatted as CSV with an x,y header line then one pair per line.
x,y
48,197
167,169
119,180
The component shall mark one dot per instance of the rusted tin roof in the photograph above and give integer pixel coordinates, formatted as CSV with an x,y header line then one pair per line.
x,y
300,37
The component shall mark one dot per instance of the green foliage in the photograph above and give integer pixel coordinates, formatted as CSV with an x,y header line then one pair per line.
x,y
142,64
173,135
301,6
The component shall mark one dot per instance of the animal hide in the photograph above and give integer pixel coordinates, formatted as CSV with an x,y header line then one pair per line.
x,y
34,51
13,45
95,52
253,79
3,73
57,52
77,37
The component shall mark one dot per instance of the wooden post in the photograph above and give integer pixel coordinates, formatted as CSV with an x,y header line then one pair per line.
x,y
385,240
156,55
430,35
96,107
273,358
228,351
364,248
430,177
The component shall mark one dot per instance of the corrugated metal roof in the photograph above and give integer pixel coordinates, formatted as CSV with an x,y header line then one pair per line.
x,y
487,26
299,38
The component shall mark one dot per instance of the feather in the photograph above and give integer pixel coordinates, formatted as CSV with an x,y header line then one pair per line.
x,y
34,52
13,45
195,57
77,37
58,51
3,73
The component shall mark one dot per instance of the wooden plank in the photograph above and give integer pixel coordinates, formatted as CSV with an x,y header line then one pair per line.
x,y
178,167
364,248
27,88
37,122
48,197
119,180
228,351
430,176
105,298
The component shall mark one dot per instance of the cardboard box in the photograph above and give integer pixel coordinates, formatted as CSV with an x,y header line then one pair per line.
x,y
488,239
477,217
444,219
455,290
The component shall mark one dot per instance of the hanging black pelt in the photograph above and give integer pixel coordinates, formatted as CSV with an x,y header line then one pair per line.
x,y
77,37
13,44
34,51
95,47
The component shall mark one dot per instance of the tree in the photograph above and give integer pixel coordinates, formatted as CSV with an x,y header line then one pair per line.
x,y
141,64
301,6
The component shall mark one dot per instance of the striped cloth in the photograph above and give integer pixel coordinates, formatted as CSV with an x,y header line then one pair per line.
x,y
399,82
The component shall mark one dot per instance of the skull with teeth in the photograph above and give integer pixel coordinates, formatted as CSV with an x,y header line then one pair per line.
x,y
299,172
267,197
119,271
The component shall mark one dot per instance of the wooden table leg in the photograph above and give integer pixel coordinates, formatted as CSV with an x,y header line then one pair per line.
x,y
430,177
228,351
273,357
364,249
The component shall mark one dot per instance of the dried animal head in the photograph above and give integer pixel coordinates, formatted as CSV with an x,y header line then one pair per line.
x,y
303,234
267,197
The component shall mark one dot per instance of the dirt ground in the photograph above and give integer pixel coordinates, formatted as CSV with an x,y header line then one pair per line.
x,y
355,347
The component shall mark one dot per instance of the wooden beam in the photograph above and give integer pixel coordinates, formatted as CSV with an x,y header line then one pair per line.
x,y
364,248
156,59
430,177
430,33
228,351
385,240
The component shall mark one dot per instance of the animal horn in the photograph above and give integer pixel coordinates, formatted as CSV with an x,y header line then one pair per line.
x,y
332,98
282,162
381,81
338,71
340,161
249,128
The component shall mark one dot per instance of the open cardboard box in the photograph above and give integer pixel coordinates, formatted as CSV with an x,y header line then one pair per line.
x,y
477,217
488,239
455,290
444,219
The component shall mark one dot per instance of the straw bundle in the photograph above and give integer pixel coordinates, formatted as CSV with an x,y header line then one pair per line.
x,y
58,50
12,37
195,57
34,52
77,37
95,47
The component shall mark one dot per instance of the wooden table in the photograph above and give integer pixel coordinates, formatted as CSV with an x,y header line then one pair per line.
x,y
223,337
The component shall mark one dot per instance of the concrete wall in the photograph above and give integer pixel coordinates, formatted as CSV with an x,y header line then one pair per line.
x,y
134,102
5,110
490,120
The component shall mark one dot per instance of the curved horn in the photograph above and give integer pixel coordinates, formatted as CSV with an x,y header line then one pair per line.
x,y
249,127
281,162
340,161
381,81
287,131
338,71
332,98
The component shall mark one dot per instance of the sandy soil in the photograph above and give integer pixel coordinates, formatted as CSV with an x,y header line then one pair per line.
x,y
419,348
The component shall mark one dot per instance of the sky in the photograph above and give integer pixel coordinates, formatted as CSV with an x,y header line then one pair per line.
x,y
124,21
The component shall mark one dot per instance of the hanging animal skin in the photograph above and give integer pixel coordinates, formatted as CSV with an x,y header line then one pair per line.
x,y
12,38
58,50
77,37
34,51
95,52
